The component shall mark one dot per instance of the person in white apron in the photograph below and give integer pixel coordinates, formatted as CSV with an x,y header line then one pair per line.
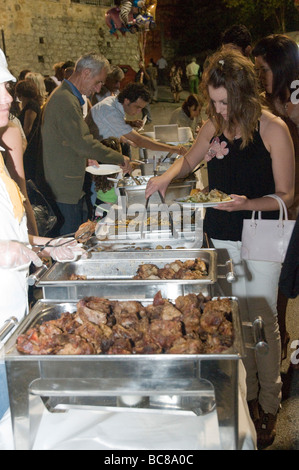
x,y
16,254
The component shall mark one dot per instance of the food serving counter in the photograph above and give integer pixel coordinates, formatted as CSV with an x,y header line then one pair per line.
x,y
181,386
189,393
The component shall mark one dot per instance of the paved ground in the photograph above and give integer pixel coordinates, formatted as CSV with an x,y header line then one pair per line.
x,y
288,418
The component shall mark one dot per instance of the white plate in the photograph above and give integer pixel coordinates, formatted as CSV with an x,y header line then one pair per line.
x,y
200,204
103,169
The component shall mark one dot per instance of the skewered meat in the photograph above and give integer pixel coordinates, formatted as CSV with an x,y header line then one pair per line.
x,y
194,324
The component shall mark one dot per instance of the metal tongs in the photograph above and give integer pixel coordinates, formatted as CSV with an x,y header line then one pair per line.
x,y
172,227
68,235
142,233
173,230
42,247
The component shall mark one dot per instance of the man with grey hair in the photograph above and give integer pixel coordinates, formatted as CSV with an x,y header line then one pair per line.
x,y
112,85
68,144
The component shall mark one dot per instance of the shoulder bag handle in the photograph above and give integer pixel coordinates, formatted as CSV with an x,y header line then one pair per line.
x,y
283,212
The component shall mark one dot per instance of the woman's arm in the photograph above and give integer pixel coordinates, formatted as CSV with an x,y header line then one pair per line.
x,y
185,165
12,140
29,119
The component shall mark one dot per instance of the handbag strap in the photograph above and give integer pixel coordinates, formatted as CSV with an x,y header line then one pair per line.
x,y
283,212
282,206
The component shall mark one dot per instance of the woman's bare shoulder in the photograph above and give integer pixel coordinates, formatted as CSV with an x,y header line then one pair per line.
x,y
270,121
272,127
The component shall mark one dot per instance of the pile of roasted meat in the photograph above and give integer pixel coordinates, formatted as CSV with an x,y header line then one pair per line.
x,y
189,269
193,324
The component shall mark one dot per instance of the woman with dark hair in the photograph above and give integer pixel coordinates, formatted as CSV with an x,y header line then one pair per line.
x,y
29,117
188,115
277,65
257,160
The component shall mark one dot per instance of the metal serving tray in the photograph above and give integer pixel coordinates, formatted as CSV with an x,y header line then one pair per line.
x,y
146,244
113,272
46,310
173,383
177,189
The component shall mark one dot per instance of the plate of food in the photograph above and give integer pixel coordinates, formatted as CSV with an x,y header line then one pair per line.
x,y
102,170
198,198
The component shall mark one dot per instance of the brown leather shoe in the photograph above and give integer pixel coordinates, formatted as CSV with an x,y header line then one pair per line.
x,y
265,429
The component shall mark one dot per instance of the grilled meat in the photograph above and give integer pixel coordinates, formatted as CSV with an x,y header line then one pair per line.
x,y
85,231
193,325
189,269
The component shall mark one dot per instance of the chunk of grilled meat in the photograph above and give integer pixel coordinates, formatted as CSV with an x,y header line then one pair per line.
x,y
85,231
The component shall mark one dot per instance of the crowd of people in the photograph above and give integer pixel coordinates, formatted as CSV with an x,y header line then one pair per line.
x,y
51,128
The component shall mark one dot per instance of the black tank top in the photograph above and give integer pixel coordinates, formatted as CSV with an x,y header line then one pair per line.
x,y
246,172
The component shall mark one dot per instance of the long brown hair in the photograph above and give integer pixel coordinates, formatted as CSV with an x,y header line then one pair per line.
x,y
230,69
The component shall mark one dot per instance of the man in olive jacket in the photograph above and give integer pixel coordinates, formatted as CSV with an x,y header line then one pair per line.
x,y
67,142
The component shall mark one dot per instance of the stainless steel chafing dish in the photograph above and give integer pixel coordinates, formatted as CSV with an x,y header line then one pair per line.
x,y
177,384
113,272
135,193
150,242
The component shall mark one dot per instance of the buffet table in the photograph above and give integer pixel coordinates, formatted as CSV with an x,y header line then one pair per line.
x,y
194,400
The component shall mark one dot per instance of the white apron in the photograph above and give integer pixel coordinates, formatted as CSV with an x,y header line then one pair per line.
x,y
13,282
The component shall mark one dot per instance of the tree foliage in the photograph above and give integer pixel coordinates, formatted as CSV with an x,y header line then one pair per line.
x,y
275,10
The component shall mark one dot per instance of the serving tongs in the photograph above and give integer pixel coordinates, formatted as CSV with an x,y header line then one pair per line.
x,y
142,233
172,227
46,245
68,235
33,278
173,230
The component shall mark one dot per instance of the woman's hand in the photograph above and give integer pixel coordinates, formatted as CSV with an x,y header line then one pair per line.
x,y
180,149
157,183
238,203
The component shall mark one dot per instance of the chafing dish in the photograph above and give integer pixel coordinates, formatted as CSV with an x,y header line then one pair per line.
x,y
151,242
177,384
135,193
111,272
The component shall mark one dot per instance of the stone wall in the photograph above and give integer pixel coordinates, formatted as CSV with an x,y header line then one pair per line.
x,y
39,33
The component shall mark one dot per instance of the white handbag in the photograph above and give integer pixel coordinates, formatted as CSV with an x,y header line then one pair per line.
x,y
267,239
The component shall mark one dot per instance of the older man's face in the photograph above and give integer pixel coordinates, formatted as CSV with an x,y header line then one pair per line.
x,y
5,102
93,83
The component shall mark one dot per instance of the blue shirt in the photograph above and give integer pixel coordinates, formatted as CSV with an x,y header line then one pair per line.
x,y
76,92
